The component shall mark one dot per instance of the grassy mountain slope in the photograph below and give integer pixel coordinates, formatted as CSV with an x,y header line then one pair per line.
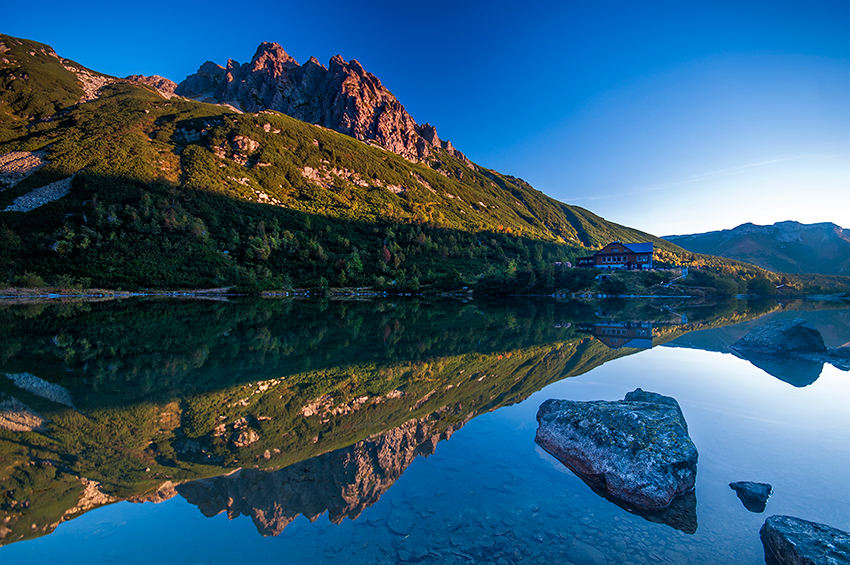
x,y
33,83
168,192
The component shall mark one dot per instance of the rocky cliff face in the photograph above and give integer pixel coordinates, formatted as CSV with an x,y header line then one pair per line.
x,y
343,482
342,96
163,85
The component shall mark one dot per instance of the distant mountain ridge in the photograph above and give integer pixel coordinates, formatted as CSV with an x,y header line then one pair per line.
x,y
785,247
342,96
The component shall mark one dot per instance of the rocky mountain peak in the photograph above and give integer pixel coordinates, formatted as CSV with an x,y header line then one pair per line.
x,y
343,97
163,85
272,57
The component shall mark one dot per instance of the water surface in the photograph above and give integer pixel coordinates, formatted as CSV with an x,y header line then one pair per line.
x,y
404,431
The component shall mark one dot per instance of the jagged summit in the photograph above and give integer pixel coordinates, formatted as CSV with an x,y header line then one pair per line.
x,y
342,96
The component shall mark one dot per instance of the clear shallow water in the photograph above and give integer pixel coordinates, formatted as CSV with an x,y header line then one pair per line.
x,y
488,494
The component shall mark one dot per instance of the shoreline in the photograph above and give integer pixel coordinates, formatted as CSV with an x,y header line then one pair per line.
x,y
34,295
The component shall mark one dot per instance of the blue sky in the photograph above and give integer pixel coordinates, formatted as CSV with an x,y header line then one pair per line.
x,y
671,117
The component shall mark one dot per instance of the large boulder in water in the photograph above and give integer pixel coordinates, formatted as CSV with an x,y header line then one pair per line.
x,y
790,337
635,450
792,541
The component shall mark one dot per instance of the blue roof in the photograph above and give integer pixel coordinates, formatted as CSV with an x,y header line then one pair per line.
x,y
639,247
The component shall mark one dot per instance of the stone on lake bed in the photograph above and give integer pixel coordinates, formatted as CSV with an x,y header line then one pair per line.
x,y
635,450
753,495
401,521
793,541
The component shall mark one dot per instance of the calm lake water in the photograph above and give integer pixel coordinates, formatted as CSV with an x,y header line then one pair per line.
x,y
395,432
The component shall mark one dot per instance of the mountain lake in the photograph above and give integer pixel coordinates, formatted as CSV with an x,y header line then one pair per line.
x,y
394,431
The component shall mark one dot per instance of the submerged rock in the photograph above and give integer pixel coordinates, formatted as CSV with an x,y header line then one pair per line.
x,y
792,541
635,450
753,495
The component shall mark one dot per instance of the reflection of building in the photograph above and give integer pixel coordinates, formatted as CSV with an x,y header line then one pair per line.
x,y
619,255
620,334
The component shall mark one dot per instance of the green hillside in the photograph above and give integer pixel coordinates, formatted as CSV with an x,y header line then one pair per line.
x,y
172,193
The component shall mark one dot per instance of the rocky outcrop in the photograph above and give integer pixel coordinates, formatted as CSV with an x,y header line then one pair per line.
x,y
786,337
91,497
342,483
162,85
839,357
15,416
753,495
792,541
42,388
342,96
165,491
41,196
18,165
90,81
636,450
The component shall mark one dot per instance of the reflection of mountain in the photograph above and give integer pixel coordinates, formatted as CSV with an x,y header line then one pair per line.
x,y
832,320
620,334
342,483
833,324
163,393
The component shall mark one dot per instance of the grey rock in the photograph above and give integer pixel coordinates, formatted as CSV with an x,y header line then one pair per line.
x,y
636,451
792,541
583,554
162,84
790,350
753,495
784,337
206,81
401,521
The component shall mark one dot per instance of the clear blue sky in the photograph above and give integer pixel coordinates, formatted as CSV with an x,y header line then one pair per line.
x,y
671,117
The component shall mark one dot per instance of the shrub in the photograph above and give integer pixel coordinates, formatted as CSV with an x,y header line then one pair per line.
x,y
30,280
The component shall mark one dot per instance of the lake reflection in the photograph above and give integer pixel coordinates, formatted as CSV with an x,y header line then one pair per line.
x,y
338,414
